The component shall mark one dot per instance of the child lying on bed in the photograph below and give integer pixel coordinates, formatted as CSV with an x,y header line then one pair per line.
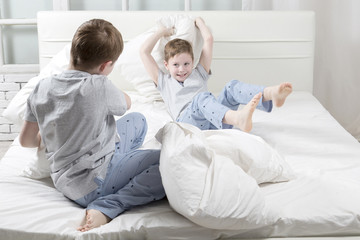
x,y
94,160
185,92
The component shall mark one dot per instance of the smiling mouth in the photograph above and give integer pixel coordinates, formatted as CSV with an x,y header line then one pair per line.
x,y
182,75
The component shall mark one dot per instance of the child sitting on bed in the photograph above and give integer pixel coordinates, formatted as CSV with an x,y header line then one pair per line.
x,y
94,159
184,89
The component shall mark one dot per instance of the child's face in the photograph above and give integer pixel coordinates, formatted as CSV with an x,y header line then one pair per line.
x,y
180,66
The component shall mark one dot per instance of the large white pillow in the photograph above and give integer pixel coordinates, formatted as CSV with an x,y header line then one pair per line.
x,y
211,177
16,109
257,158
38,166
130,65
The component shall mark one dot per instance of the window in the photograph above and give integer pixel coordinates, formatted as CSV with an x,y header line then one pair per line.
x,y
18,33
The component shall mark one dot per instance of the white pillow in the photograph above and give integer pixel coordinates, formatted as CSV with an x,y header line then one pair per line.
x,y
16,109
38,166
130,65
257,158
204,179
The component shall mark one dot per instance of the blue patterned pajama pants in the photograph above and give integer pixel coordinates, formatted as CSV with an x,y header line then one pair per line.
x,y
207,112
133,176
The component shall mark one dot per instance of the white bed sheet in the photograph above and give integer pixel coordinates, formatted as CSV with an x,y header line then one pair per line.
x,y
322,201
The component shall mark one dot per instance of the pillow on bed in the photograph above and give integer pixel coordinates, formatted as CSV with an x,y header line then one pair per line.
x,y
38,166
130,65
257,158
211,177
16,109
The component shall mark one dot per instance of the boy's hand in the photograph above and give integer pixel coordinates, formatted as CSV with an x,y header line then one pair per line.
x,y
206,52
199,22
166,32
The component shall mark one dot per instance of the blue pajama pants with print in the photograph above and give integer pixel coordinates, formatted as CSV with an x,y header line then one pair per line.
x,y
133,176
207,112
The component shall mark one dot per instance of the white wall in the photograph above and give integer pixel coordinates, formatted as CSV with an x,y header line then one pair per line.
x,y
337,54
337,59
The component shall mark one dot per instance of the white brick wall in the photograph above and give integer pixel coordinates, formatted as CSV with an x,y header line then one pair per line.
x,y
10,84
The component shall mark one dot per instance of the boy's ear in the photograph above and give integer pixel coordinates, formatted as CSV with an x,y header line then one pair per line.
x,y
166,64
104,65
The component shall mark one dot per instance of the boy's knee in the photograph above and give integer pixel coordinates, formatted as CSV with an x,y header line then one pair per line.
x,y
231,83
201,100
200,97
136,116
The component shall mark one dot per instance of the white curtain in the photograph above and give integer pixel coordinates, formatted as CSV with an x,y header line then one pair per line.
x,y
337,54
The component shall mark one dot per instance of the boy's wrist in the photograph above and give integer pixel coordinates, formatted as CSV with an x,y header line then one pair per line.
x,y
164,32
199,21
160,33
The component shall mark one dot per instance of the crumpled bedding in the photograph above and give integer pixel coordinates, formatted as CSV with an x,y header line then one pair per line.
x,y
211,177
322,200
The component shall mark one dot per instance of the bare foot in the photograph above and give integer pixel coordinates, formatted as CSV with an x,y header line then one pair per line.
x,y
243,118
278,93
94,218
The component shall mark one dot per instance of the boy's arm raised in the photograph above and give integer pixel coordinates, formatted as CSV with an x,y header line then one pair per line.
x,y
207,50
145,52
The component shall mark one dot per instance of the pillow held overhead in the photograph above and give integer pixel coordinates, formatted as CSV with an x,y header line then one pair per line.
x,y
130,65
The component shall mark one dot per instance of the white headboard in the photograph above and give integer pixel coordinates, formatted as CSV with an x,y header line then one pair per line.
x,y
260,47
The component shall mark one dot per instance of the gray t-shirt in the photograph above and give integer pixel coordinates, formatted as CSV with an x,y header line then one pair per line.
x,y
75,113
178,95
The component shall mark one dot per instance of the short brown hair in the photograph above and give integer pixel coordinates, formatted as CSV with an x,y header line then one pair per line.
x,y
177,46
96,41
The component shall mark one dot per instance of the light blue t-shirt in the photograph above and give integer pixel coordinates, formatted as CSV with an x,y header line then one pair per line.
x,y
75,113
178,95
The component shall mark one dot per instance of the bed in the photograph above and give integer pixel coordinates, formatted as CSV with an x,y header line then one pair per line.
x,y
313,192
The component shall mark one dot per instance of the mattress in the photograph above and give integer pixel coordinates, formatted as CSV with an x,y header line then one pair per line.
x,y
323,199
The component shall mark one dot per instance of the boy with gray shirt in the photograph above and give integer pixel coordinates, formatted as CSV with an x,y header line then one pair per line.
x,y
94,159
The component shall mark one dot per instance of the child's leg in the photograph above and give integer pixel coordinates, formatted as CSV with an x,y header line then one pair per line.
x,y
204,111
94,218
243,117
278,93
236,93
133,179
132,129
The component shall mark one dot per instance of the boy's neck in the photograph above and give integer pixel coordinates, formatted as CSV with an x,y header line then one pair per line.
x,y
90,71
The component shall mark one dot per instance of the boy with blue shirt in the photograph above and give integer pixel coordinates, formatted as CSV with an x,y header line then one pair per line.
x,y
94,159
184,89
